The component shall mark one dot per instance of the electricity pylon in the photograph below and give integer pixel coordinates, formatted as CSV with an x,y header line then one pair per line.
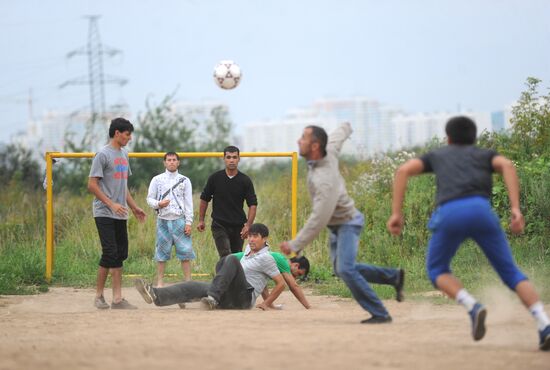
x,y
96,79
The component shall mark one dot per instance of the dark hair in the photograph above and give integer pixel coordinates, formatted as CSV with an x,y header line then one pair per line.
x,y
303,264
461,130
319,135
231,149
172,153
120,124
260,229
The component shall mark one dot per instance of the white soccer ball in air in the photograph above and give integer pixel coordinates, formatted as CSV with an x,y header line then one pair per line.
x,y
227,74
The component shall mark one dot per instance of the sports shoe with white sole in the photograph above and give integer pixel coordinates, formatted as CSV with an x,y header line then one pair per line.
x,y
146,290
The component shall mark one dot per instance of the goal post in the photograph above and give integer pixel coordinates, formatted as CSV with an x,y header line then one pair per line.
x,y
50,250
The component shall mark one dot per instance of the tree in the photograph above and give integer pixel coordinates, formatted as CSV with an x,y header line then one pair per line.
x,y
531,123
18,165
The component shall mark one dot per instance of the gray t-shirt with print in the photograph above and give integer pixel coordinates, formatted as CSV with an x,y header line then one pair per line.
x,y
112,168
258,268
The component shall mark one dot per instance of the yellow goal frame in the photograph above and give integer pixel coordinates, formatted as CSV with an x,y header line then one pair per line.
x,y
49,191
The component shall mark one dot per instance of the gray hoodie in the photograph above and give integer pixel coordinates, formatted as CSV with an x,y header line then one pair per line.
x,y
331,204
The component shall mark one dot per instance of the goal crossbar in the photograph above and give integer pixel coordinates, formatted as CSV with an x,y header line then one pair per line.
x,y
50,251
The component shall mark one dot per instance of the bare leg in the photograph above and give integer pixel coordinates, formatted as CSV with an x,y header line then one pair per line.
x,y
102,273
526,292
449,285
160,273
116,277
186,268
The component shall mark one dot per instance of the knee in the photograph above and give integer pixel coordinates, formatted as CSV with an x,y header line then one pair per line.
x,y
228,259
435,271
512,280
345,272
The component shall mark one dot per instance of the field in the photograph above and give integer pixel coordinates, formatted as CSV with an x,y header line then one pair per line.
x,y
62,330
53,325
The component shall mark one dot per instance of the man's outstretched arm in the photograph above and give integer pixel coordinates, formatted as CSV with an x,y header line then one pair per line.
x,y
275,293
295,289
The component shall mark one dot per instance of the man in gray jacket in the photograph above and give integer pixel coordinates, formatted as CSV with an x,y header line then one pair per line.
x,y
333,207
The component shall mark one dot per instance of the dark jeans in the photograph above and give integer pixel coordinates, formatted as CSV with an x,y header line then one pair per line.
x,y
227,238
187,291
229,288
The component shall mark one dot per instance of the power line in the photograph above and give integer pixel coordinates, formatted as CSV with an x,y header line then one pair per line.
x,y
96,78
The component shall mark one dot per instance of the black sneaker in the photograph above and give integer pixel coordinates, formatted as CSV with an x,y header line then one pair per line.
x,y
378,320
478,315
399,296
544,344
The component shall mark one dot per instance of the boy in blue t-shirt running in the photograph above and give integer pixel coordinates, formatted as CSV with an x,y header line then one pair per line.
x,y
464,183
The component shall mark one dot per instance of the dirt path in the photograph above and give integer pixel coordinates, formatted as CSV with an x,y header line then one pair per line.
x,y
62,330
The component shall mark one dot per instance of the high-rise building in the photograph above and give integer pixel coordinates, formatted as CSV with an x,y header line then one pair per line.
x,y
419,128
53,130
371,121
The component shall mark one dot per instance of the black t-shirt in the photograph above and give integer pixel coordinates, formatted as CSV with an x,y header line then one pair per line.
x,y
460,170
229,195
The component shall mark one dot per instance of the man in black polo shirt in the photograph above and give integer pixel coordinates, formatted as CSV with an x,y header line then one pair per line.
x,y
229,188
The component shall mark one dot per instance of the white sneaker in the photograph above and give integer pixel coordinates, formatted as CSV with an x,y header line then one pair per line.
x,y
209,303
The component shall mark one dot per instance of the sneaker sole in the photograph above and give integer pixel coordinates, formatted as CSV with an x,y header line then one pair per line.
x,y
371,322
479,324
399,296
545,345
140,286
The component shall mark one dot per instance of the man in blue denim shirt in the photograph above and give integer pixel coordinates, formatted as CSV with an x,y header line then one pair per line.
x,y
333,207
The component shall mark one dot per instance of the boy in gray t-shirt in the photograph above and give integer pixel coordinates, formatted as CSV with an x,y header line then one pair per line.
x,y
236,285
108,181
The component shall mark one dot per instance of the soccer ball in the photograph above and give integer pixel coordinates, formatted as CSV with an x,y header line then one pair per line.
x,y
227,74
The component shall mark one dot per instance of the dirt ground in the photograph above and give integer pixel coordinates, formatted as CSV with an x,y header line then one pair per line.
x,y
62,330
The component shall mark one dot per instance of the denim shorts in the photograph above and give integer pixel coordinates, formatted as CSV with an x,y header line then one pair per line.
x,y
171,233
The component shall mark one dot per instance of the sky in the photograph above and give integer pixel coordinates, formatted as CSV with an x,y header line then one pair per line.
x,y
418,55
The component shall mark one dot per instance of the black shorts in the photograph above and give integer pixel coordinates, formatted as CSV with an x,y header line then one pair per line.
x,y
113,236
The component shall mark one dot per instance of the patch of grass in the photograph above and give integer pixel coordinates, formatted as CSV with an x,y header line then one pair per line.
x,y
77,248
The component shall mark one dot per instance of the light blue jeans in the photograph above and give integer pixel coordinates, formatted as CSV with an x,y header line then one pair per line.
x,y
344,243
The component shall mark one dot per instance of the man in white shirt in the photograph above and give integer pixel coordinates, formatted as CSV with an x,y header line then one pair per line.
x,y
171,194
